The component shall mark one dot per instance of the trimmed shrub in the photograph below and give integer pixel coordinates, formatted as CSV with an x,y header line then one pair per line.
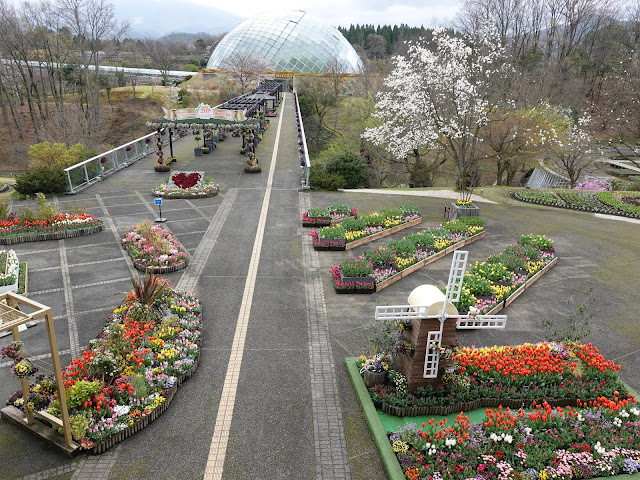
x,y
44,179
349,166
322,180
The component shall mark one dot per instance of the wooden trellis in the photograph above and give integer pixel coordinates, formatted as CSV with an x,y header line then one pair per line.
x,y
13,308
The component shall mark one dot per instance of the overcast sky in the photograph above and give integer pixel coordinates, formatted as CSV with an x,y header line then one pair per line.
x,y
215,17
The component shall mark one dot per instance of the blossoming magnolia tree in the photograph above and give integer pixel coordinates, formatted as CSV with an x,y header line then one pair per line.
x,y
439,96
572,155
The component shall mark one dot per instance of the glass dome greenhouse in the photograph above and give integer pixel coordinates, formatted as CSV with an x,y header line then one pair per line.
x,y
293,41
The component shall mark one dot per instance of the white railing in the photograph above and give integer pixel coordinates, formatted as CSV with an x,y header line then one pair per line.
x,y
96,168
305,164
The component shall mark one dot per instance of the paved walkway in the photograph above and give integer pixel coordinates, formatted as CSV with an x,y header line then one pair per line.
x,y
417,193
271,398
258,392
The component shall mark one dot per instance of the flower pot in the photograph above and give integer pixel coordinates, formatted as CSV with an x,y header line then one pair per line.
x,y
197,152
366,290
374,378
345,290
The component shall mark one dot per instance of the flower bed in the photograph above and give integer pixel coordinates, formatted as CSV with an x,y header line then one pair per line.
x,y
330,216
130,373
511,377
9,271
580,419
187,185
380,267
61,225
612,203
353,232
154,249
486,285
22,279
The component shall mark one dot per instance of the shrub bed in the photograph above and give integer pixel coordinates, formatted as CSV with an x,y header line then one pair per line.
x,y
612,203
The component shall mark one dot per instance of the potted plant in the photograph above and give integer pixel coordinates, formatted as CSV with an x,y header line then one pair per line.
x,y
205,150
374,368
356,270
198,150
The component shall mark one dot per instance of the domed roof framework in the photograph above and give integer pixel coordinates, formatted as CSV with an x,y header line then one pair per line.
x,y
291,42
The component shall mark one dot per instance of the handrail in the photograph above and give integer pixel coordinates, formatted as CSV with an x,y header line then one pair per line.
x,y
95,168
305,163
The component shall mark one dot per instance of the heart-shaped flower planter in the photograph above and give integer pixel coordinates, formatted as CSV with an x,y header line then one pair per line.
x,y
186,179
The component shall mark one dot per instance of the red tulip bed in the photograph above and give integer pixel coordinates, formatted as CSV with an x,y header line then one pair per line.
x,y
552,411
62,225
187,185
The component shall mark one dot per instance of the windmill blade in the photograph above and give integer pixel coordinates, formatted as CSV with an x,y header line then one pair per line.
x,y
482,322
432,359
456,274
402,312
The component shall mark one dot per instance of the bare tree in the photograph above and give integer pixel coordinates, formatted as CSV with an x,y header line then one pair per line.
x,y
164,55
92,23
246,69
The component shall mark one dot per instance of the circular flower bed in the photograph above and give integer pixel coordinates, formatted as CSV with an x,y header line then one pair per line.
x,y
153,249
131,371
187,185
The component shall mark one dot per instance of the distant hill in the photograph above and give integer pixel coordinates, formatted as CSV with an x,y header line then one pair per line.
x,y
150,21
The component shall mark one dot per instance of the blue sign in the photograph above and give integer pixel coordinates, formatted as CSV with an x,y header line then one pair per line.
x,y
158,201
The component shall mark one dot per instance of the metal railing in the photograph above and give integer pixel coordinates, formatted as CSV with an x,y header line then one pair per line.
x,y
305,164
97,168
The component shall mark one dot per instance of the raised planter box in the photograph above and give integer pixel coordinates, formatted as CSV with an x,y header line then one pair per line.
x,y
529,282
429,260
39,237
370,238
456,211
159,270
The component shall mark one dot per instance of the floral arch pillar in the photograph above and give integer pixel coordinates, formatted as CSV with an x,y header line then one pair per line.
x,y
12,315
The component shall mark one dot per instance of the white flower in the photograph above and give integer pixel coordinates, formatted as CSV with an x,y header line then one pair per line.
x,y
617,422
493,437
450,442
624,413
599,448
508,438
635,411
527,431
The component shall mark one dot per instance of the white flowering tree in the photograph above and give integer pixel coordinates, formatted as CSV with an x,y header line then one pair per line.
x,y
572,154
439,96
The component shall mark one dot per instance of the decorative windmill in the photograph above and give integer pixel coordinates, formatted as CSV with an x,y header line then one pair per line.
x,y
429,309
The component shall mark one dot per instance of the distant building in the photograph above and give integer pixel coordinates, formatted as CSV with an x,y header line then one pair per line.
x,y
292,41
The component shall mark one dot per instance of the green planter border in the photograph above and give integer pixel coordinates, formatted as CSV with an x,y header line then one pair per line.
x,y
379,433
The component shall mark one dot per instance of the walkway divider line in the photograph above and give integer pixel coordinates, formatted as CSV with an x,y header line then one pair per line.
x,y
220,440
